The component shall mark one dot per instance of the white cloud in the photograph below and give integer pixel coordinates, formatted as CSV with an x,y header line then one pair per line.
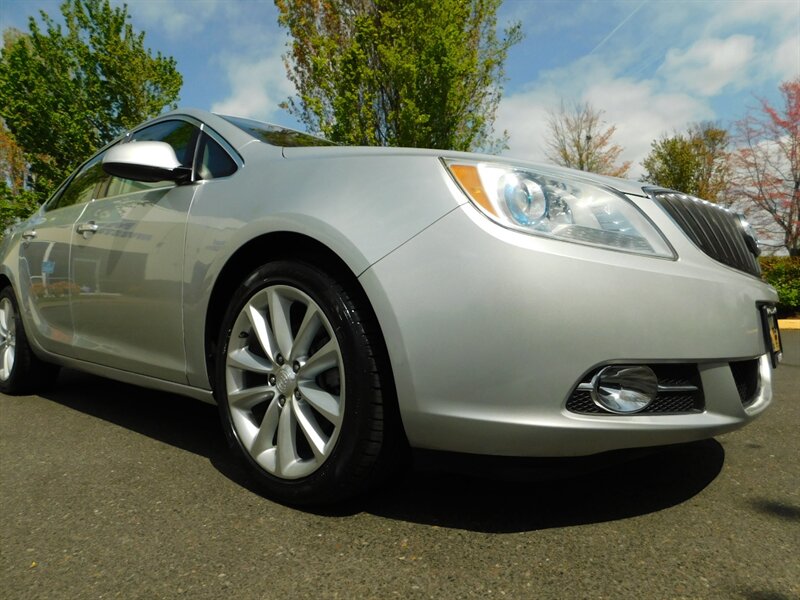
x,y
524,116
709,65
718,29
694,56
641,110
177,18
786,63
777,15
258,86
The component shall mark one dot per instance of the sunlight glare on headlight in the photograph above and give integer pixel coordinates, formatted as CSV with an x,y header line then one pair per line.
x,y
558,207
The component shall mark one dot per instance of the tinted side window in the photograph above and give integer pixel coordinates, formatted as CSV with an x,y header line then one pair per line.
x,y
181,135
213,161
83,185
178,134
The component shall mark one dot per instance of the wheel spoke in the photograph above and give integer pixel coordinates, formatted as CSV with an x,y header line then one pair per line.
x,y
6,362
323,402
5,317
310,428
247,398
266,432
265,338
7,341
11,354
306,332
279,307
244,360
323,359
287,444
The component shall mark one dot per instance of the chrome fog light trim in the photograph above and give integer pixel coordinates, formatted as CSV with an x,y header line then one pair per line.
x,y
624,389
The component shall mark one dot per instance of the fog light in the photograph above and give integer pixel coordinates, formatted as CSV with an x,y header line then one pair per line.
x,y
624,389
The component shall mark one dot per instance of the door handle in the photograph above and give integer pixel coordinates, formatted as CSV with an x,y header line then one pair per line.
x,y
86,228
29,235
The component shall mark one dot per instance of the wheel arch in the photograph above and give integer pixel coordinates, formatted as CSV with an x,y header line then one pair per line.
x,y
303,248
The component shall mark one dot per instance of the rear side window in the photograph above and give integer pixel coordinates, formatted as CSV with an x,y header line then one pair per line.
x,y
212,160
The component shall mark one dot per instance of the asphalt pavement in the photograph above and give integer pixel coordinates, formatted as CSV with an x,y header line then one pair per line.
x,y
112,491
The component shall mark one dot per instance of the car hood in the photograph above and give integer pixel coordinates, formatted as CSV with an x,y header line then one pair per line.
x,y
625,186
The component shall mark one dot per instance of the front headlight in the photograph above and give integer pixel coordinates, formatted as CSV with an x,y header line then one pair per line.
x,y
558,207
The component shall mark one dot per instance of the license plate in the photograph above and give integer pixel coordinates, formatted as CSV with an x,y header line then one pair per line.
x,y
772,334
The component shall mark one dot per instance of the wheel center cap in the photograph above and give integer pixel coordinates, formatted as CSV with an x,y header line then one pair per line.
x,y
284,380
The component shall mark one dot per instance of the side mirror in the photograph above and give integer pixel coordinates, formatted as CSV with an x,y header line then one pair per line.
x,y
145,161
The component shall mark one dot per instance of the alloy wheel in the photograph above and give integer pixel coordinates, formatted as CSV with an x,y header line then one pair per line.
x,y
285,382
8,341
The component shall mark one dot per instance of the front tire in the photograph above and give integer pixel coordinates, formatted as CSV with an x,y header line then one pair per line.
x,y
301,387
21,371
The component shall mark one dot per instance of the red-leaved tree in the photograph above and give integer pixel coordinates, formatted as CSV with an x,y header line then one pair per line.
x,y
767,168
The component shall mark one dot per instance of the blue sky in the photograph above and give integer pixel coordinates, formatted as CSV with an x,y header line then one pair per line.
x,y
652,66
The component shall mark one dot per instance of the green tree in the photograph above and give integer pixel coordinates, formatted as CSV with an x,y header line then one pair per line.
x,y
66,91
15,201
418,73
13,168
696,163
783,273
579,139
15,206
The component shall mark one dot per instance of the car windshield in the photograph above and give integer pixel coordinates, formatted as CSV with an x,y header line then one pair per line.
x,y
275,135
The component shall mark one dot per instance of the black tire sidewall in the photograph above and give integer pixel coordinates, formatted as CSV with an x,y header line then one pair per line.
x,y
28,373
343,473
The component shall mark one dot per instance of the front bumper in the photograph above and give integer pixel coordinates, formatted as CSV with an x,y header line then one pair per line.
x,y
490,330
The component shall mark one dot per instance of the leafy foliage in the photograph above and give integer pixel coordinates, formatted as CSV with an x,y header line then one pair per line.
x,y
783,273
767,167
417,73
13,168
15,202
66,91
695,163
15,206
580,140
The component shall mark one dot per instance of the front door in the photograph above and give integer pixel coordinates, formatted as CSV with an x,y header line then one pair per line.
x,y
127,268
46,282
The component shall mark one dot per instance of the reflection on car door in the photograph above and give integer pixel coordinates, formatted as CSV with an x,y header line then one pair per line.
x,y
46,283
127,265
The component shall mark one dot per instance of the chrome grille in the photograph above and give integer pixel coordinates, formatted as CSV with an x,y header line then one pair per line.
x,y
715,230
665,403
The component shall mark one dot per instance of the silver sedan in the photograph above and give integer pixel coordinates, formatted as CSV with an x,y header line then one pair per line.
x,y
341,305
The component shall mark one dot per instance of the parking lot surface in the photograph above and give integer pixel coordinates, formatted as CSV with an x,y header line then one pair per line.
x,y
113,491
